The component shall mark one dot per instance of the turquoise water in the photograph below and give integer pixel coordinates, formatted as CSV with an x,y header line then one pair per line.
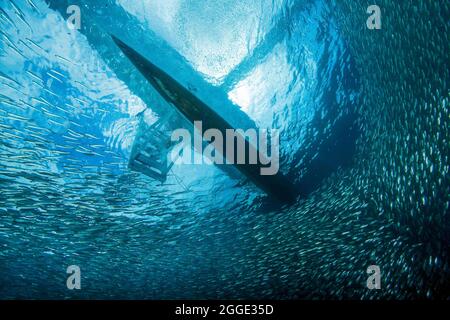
x,y
364,121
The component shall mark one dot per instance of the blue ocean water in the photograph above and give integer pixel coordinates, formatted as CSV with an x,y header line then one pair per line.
x,y
365,146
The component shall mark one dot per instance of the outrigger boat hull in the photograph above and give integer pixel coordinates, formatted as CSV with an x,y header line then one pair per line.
x,y
194,109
